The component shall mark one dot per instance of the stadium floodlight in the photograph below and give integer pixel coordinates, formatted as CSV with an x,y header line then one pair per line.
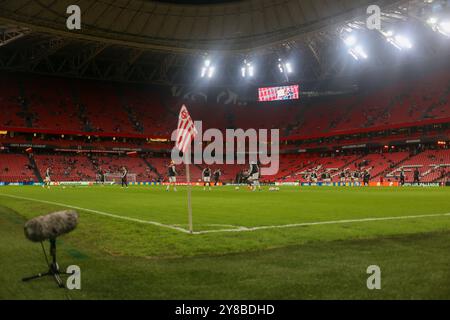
x,y
438,25
361,52
280,67
250,70
211,72
350,41
284,67
444,28
403,42
207,69
400,42
288,67
432,20
358,53
247,70
397,40
355,49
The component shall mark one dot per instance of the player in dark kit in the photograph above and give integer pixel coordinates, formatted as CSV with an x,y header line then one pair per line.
x,y
402,177
366,178
342,176
416,176
101,176
217,175
124,177
172,173
206,175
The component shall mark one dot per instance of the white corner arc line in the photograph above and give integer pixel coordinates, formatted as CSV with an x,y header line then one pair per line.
x,y
106,214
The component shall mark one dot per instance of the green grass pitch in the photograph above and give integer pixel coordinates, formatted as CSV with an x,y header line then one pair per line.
x,y
297,243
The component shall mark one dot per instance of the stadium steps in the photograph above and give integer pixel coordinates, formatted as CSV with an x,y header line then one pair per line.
x,y
440,178
81,110
34,166
24,105
394,168
132,117
352,162
152,168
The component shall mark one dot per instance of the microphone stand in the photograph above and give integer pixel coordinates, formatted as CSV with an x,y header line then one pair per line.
x,y
53,266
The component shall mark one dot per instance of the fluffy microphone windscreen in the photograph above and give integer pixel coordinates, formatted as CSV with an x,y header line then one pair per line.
x,y
51,225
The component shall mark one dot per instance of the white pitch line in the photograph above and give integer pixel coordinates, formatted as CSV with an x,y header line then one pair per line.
x,y
246,229
100,213
235,228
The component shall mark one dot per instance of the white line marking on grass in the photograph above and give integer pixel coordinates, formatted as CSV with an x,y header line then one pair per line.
x,y
305,224
100,213
235,228
213,225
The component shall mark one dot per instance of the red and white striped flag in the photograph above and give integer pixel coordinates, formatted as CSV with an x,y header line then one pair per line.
x,y
186,131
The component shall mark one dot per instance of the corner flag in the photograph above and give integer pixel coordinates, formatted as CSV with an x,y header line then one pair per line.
x,y
186,132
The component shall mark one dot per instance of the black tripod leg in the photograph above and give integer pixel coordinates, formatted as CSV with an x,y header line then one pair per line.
x,y
53,267
58,280
39,275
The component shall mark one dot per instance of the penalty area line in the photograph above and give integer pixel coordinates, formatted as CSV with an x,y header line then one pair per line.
x,y
106,214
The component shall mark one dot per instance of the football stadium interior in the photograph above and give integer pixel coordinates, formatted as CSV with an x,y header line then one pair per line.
x,y
363,115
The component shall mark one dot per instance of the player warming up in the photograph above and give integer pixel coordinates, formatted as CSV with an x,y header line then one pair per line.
x,y
253,176
206,174
217,175
47,180
172,173
124,177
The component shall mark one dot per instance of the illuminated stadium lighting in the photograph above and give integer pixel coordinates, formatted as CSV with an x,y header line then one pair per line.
x,y
358,53
211,72
361,52
284,67
432,20
399,41
280,67
354,49
207,69
288,67
350,41
247,70
250,71
403,42
444,28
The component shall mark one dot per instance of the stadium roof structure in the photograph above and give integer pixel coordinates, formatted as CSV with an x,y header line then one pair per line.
x,y
164,41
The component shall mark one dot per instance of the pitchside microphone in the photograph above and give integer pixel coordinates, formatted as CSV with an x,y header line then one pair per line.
x,y
51,226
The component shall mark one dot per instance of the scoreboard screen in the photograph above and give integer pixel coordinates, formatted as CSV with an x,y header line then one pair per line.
x,y
278,93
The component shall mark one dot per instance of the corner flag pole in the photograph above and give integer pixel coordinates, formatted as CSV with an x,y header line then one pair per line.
x,y
189,192
186,132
